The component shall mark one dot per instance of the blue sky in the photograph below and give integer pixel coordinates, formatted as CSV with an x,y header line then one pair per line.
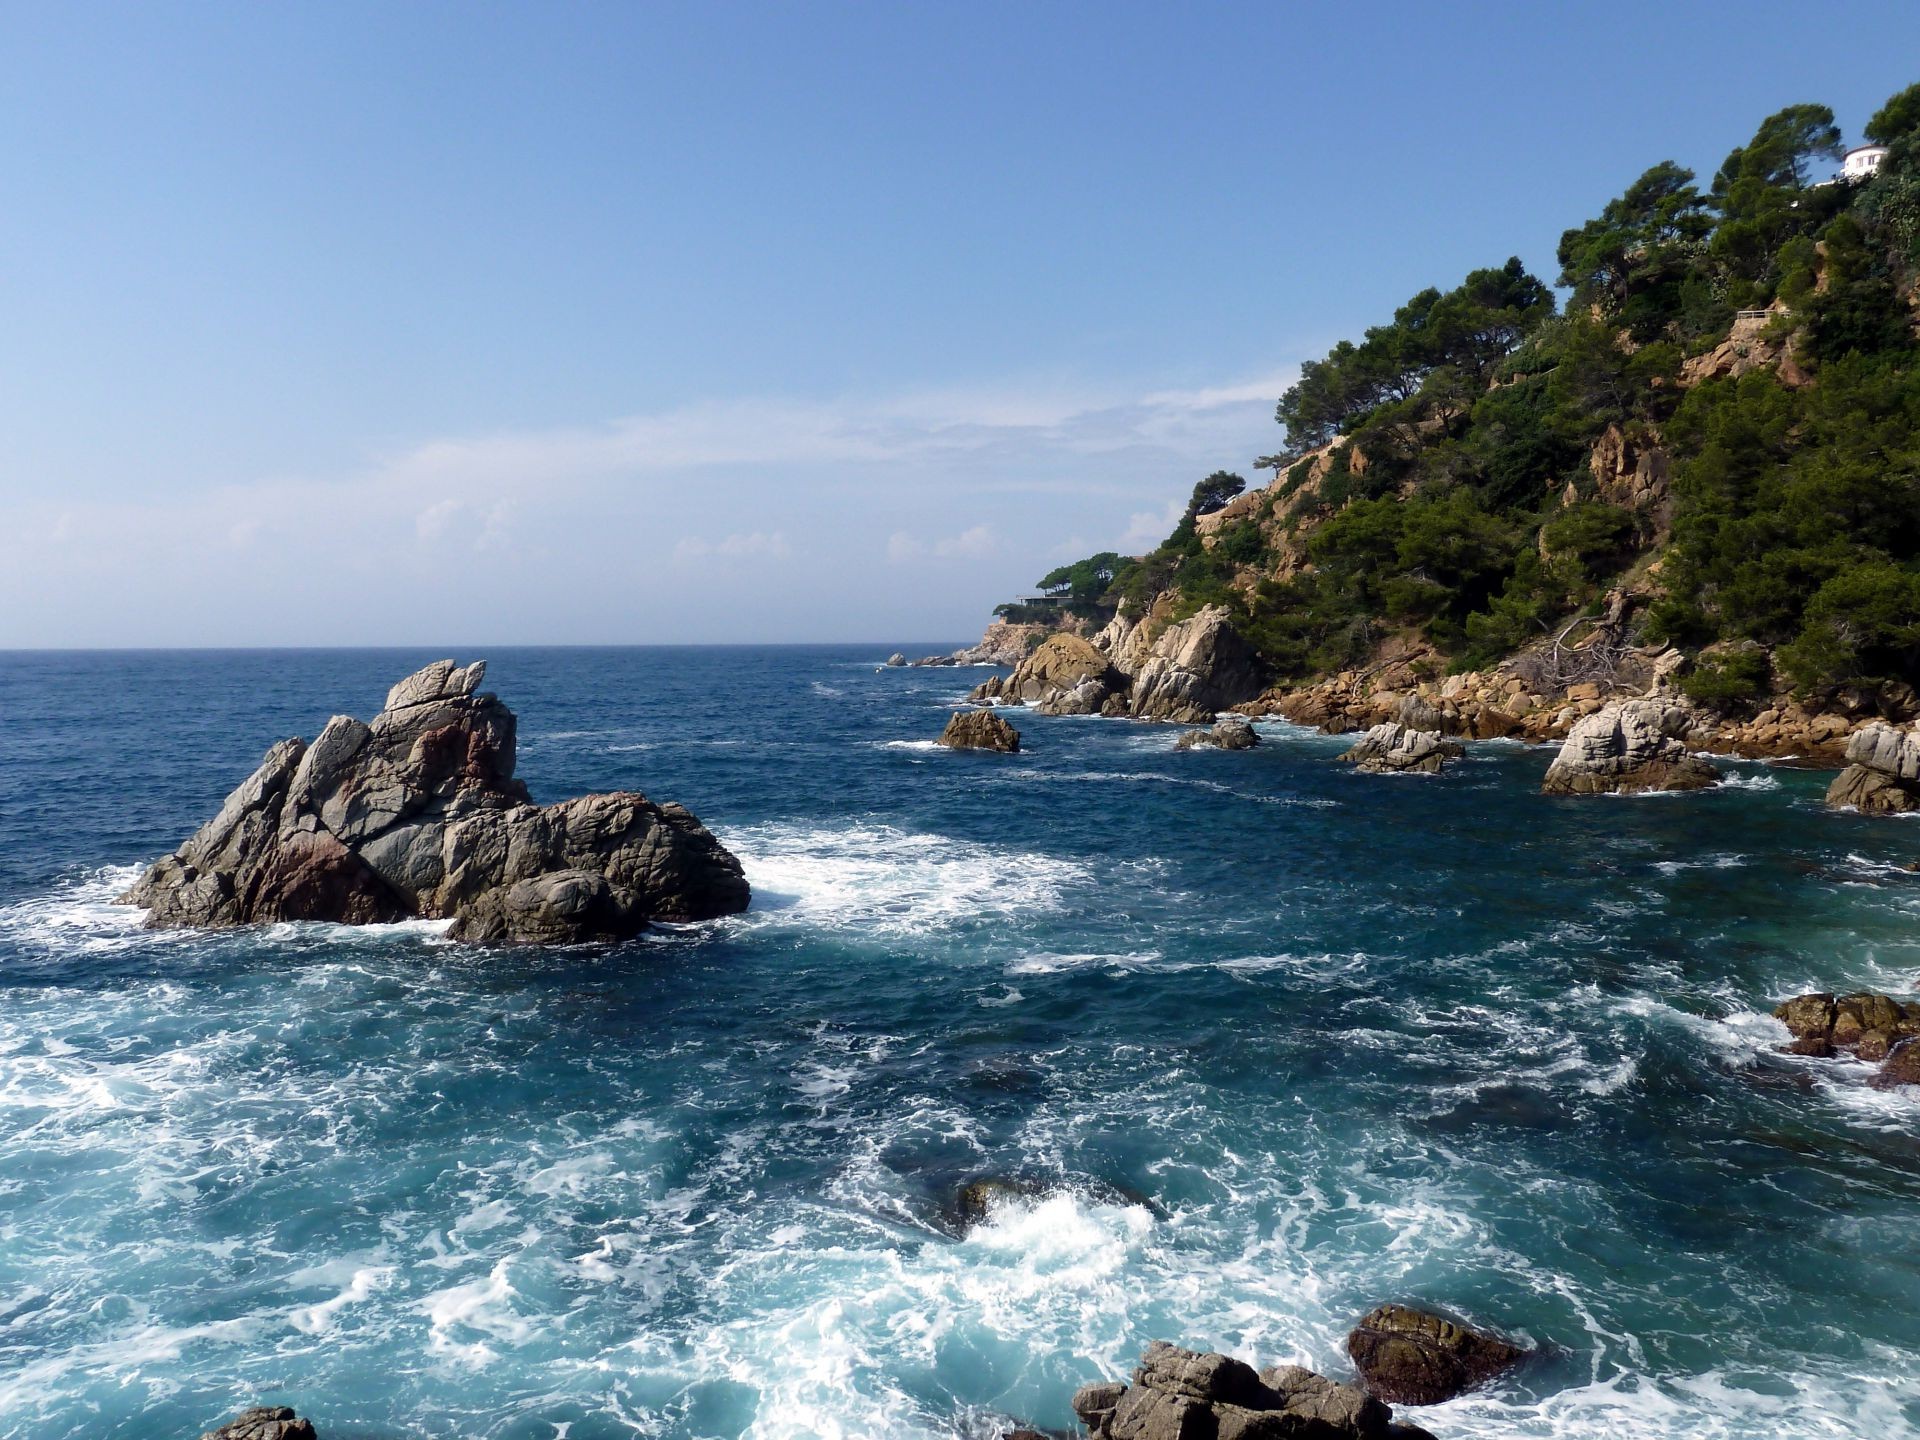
x,y
375,324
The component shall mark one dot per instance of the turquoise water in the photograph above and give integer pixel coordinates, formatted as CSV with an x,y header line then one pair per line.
x,y
1348,1038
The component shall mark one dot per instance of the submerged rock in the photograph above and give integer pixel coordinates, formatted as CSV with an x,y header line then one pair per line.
x,y
1229,732
1189,1395
1883,772
1414,1357
1627,748
1394,749
264,1422
417,814
980,730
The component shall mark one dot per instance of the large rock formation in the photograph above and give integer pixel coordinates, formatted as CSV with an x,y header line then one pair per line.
x,y
264,1422
980,730
1626,748
1184,1395
1062,675
1229,732
1195,669
418,814
1883,772
1393,749
1413,1357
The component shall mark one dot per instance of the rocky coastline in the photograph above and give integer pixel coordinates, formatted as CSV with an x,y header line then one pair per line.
x,y
417,815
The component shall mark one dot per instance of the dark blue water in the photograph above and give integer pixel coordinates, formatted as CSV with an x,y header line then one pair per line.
x,y
1355,1039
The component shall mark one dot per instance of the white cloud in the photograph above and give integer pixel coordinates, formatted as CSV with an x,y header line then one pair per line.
x,y
433,522
902,548
760,544
968,544
1147,528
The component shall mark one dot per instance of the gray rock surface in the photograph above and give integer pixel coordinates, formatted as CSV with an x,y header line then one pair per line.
x,y
1195,669
1062,675
1391,748
1628,747
1883,772
264,1422
417,814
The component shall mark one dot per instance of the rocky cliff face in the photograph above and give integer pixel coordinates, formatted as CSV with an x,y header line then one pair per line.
x,y
1883,772
417,814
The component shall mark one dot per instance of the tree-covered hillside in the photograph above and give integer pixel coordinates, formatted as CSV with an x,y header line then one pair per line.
x,y
1721,421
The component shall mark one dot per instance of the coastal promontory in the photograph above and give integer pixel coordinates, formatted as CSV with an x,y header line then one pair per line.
x,y
417,814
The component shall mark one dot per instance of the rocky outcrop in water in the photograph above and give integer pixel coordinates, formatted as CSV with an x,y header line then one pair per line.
x,y
1185,1395
1626,748
1196,668
1006,642
980,730
1414,1357
1866,1025
1229,732
1063,675
1883,772
264,1422
417,814
1394,749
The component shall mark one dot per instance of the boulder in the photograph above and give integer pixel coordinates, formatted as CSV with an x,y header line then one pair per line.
x,y
1195,669
1414,1357
1393,749
896,660
1062,675
1902,1067
264,1422
1629,747
417,814
1883,772
980,730
1229,732
1181,1394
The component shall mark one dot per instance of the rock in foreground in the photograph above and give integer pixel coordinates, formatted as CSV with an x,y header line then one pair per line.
x,y
1412,1357
1629,748
1184,1395
1394,749
417,814
1867,1025
980,730
1229,732
264,1422
1882,775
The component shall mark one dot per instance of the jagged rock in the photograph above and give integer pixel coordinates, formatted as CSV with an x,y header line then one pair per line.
x,y
1187,1395
980,730
1902,1067
1229,732
1871,1026
418,814
896,660
1064,675
264,1422
1883,772
1413,1357
1006,642
1628,747
1196,669
1391,748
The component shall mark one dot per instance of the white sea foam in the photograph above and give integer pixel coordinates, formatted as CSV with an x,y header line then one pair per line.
x,y
1748,780
893,882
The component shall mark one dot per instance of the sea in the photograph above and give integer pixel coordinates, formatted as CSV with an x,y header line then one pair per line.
x,y
1263,1042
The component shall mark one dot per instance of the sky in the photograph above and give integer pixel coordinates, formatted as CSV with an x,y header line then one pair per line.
x,y
365,324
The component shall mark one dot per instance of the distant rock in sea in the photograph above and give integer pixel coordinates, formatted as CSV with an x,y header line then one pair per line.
x,y
1629,747
980,730
1394,749
418,815
1229,732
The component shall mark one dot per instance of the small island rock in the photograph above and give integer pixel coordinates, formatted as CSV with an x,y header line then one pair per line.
x,y
980,730
264,1422
1229,732
1867,1025
1414,1357
1626,748
896,660
1393,749
417,814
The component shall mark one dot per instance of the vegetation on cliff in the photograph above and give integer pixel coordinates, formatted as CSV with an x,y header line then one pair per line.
x,y
1722,422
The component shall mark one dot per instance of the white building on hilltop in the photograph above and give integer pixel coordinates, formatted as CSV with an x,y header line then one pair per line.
x,y
1860,162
